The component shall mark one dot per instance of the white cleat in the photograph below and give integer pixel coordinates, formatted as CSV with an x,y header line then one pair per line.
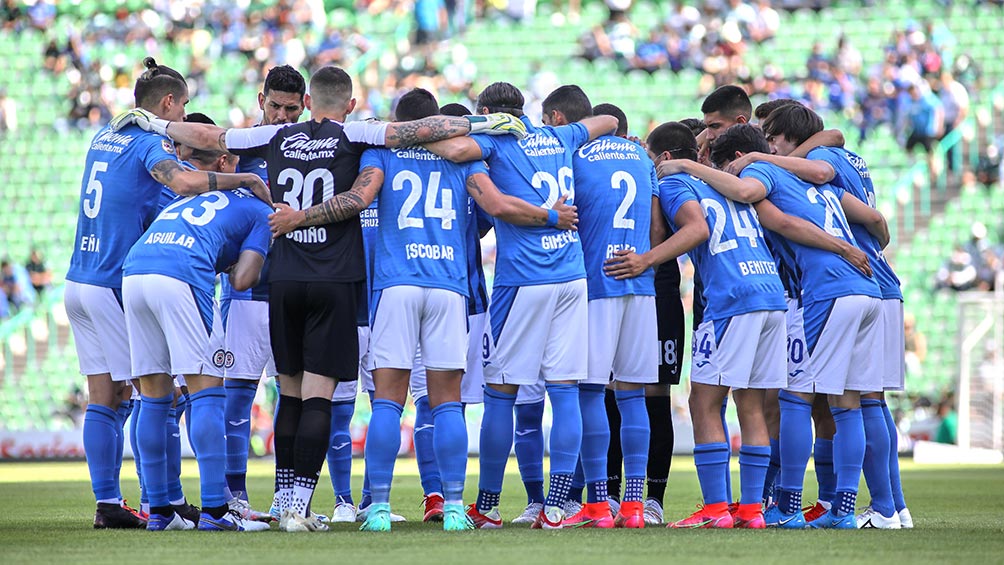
x,y
905,519
394,518
572,507
343,512
653,511
529,513
293,522
872,519
615,505
244,510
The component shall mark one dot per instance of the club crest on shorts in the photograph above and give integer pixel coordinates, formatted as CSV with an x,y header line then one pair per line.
x,y
220,358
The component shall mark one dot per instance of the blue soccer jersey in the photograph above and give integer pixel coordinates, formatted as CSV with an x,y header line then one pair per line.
x,y
852,176
738,271
537,169
421,240
614,184
369,221
197,237
257,166
824,275
477,290
118,201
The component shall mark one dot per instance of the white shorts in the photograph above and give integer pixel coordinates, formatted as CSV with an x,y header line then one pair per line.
x,y
246,340
345,390
744,351
538,332
800,377
472,388
166,330
97,319
623,340
531,394
894,345
365,375
844,340
407,317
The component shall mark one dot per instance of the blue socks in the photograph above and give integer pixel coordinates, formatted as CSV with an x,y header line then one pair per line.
x,y
770,481
450,443
425,453
712,462
728,444
795,444
894,481
848,455
137,405
876,462
340,450
530,449
210,441
101,431
595,440
753,463
822,458
239,398
125,409
152,441
496,442
383,441
174,489
566,440
635,434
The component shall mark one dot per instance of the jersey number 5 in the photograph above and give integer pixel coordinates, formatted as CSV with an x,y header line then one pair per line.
x,y
92,194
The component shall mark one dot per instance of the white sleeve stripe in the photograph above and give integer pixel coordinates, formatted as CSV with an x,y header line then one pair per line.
x,y
246,138
372,133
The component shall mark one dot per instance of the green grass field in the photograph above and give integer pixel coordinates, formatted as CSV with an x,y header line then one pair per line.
x,y
49,510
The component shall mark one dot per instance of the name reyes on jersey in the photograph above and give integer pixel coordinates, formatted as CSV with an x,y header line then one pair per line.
x,y
613,248
301,147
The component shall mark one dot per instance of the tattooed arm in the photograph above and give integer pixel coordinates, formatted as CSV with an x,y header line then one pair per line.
x,y
514,210
188,182
433,128
199,136
337,209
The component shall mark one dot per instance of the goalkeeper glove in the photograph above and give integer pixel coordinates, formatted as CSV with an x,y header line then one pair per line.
x,y
144,119
498,124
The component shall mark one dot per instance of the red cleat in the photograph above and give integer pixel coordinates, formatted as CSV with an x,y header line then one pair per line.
x,y
813,512
749,517
433,508
490,521
709,516
630,515
592,515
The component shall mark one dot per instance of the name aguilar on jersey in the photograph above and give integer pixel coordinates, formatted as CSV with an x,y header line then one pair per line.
x,y
170,238
299,146
604,149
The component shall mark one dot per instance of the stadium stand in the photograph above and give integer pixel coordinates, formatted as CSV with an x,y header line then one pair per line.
x,y
41,158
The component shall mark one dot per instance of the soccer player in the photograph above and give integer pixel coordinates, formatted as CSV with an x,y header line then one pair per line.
x,y
248,350
419,285
841,309
538,309
173,324
316,272
616,187
123,177
788,128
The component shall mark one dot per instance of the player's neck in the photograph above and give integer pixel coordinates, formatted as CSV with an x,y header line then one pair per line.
x,y
333,116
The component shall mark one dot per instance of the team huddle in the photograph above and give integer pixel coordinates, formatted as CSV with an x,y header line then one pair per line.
x,y
351,252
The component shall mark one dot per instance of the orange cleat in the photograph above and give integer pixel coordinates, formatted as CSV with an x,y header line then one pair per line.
x,y
630,515
707,516
433,508
592,515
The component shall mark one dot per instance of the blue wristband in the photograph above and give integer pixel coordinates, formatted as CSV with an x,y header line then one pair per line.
x,y
552,218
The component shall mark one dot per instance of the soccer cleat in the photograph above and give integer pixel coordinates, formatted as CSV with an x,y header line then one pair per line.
x,y
455,520
813,512
733,508
160,523
188,512
592,515
705,518
137,513
550,518
433,508
343,512
830,521
490,521
529,513
232,521
571,507
361,514
872,518
377,518
905,519
115,517
275,511
292,522
755,523
615,505
244,510
774,518
630,515
653,511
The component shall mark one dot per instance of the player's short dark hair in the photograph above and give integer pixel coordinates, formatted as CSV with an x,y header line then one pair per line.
x,y
570,100
156,82
729,100
284,78
795,122
416,104
744,138
330,87
765,109
454,109
199,118
205,156
696,125
674,137
501,97
607,109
